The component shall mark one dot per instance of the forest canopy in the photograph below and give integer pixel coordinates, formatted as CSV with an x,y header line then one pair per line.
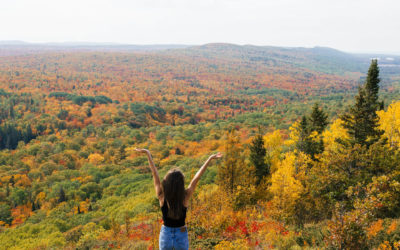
x,y
311,149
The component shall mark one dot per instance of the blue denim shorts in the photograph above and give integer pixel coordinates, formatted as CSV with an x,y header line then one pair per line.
x,y
173,238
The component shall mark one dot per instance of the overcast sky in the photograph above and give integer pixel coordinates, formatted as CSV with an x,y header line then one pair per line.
x,y
349,25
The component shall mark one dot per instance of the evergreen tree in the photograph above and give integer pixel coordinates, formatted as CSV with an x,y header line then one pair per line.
x,y
12,181
318,119
178,151
10,135
33,206
12,113
89,112
372,84
362,121
62,197
28,135
317,122
5,213
257,157
304,142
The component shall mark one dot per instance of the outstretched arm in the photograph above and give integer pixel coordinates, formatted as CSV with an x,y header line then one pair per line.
x,y
156,178
196,178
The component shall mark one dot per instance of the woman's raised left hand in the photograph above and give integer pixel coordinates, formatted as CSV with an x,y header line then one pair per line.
x,y
142,150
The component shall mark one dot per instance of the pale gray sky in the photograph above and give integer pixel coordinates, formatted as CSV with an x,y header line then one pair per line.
x,y
349,25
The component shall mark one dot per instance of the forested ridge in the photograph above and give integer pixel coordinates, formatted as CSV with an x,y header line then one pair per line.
x,y
310,139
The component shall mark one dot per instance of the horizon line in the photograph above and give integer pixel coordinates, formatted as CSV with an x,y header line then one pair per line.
x,y
89,43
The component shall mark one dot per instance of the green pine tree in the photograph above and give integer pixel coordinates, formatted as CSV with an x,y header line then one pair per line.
x,y
318,119
372,84
257,157
62,196
362,121
304,142
316,122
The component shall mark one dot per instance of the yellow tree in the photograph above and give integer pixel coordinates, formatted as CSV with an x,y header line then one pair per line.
x,y
96,158
273,144
332,135
389,122
285,188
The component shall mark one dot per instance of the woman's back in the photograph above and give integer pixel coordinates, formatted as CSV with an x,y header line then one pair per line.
x,y
173,234
169,222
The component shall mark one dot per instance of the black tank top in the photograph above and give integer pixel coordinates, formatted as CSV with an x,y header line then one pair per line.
x,y
172,222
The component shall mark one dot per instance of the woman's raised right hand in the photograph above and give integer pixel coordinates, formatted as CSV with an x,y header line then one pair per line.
x,y
215,156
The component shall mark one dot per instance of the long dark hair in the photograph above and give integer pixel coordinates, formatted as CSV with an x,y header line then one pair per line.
x,y
173,186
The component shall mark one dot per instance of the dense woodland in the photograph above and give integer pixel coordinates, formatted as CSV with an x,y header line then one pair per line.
x,y
310,139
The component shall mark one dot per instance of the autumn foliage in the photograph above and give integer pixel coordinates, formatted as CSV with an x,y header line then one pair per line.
x,y
292,175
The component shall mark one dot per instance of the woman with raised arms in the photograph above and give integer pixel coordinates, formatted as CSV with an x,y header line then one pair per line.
x,y
174,201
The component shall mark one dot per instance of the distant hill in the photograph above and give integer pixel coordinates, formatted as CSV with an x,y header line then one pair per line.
x,y
13,42
20,47
224,56
323,59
